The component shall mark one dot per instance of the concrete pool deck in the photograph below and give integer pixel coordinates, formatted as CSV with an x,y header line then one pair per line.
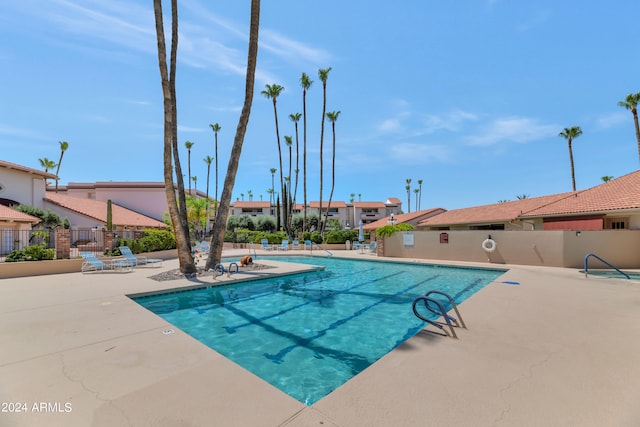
x,y
556,350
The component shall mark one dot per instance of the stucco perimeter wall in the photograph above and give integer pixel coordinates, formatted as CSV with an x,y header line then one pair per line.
x,y
544,248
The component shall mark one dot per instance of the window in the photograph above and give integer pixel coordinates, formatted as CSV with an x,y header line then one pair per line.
x,y
617,223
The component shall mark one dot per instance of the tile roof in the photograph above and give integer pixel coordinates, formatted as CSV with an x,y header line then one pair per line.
x,y
617,194
394,201
367,205
43,174
8,214
251,204
97,209
406,217
498,212
334,204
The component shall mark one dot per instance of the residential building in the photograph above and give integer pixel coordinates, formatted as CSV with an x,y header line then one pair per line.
x,y
22,185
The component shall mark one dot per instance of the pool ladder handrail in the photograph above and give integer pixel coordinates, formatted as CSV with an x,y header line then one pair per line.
x,y
450,320
586,265
320,247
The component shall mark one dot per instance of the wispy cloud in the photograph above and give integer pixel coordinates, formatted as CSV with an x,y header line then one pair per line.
x,y
412,153
513,129
451,121
13,131
610,120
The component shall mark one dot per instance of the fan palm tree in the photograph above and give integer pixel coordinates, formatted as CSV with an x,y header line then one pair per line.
x,y
272,92
208,160
606,178
569,134
189,144
522,196
216,128
408,188
323,75
288,140
47,164
295,118
631,103
418,207
63,147
416,191
177,208
273,189
195,184
250,195
332,116
217,241
306,83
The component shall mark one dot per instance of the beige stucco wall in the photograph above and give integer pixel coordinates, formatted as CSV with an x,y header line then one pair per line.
x,y
22,187
544,248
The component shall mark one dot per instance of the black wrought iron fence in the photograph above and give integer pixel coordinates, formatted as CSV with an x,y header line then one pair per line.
x,y
16,240
87,240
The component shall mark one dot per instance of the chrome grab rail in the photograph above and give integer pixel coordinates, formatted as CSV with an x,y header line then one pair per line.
x,y
441,311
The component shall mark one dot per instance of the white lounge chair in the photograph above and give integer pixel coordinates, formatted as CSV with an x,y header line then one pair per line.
x,y
92,263
138,260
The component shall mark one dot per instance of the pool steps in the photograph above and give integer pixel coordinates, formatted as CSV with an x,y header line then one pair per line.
x,y
439,309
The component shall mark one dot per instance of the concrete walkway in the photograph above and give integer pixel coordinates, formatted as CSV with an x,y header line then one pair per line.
x,y
555,350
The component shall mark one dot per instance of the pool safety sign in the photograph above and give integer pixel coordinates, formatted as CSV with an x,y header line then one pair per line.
x,y
407,238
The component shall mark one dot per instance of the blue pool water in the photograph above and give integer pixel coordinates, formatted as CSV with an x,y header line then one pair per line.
x,y
309,333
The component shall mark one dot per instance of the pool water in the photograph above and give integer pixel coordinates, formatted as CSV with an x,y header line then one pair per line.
x,y
309,333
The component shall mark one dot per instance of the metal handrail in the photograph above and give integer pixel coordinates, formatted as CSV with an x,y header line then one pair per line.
x,y
320,247
441,311
459,320
586,265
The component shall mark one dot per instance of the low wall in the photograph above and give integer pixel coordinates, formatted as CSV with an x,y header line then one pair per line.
x,y
543,248
58,266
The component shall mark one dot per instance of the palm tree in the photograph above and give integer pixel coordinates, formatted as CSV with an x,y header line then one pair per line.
x,y
63,147
295,118
359,197
606,178
569,134
332,116
418,207
288,140
352,201
250,195
522,196
272,92
189,144
306,83
273,189
408,188
208,160
195,184
631,103
177,209
323,74
47,164
416,191
217,240
216,128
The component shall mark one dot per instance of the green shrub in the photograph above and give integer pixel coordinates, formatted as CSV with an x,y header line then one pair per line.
x,y
31,253
388,230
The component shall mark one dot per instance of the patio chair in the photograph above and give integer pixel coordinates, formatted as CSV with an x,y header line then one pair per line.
x,y
356,245
373,246
295,244
92,263
307,244
138,260
284,245
265,244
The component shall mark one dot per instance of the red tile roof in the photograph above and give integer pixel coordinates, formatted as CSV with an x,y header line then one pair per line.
x,y
8,214
251,204
37,172
97,210
394,201
499,212
334,204
406,217
617,194
369,205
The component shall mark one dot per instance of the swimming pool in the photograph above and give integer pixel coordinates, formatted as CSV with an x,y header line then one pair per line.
x,y
309,333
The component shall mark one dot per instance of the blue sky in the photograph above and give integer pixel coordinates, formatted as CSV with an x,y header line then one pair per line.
x,y
468,97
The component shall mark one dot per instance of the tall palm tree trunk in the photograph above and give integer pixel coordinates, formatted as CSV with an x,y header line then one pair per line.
x,y
573,173
635,122
217,239
178,217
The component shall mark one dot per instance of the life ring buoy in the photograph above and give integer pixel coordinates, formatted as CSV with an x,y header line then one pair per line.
x,y
489,245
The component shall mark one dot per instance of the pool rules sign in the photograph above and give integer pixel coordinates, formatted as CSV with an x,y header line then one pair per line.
x,y
407,239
